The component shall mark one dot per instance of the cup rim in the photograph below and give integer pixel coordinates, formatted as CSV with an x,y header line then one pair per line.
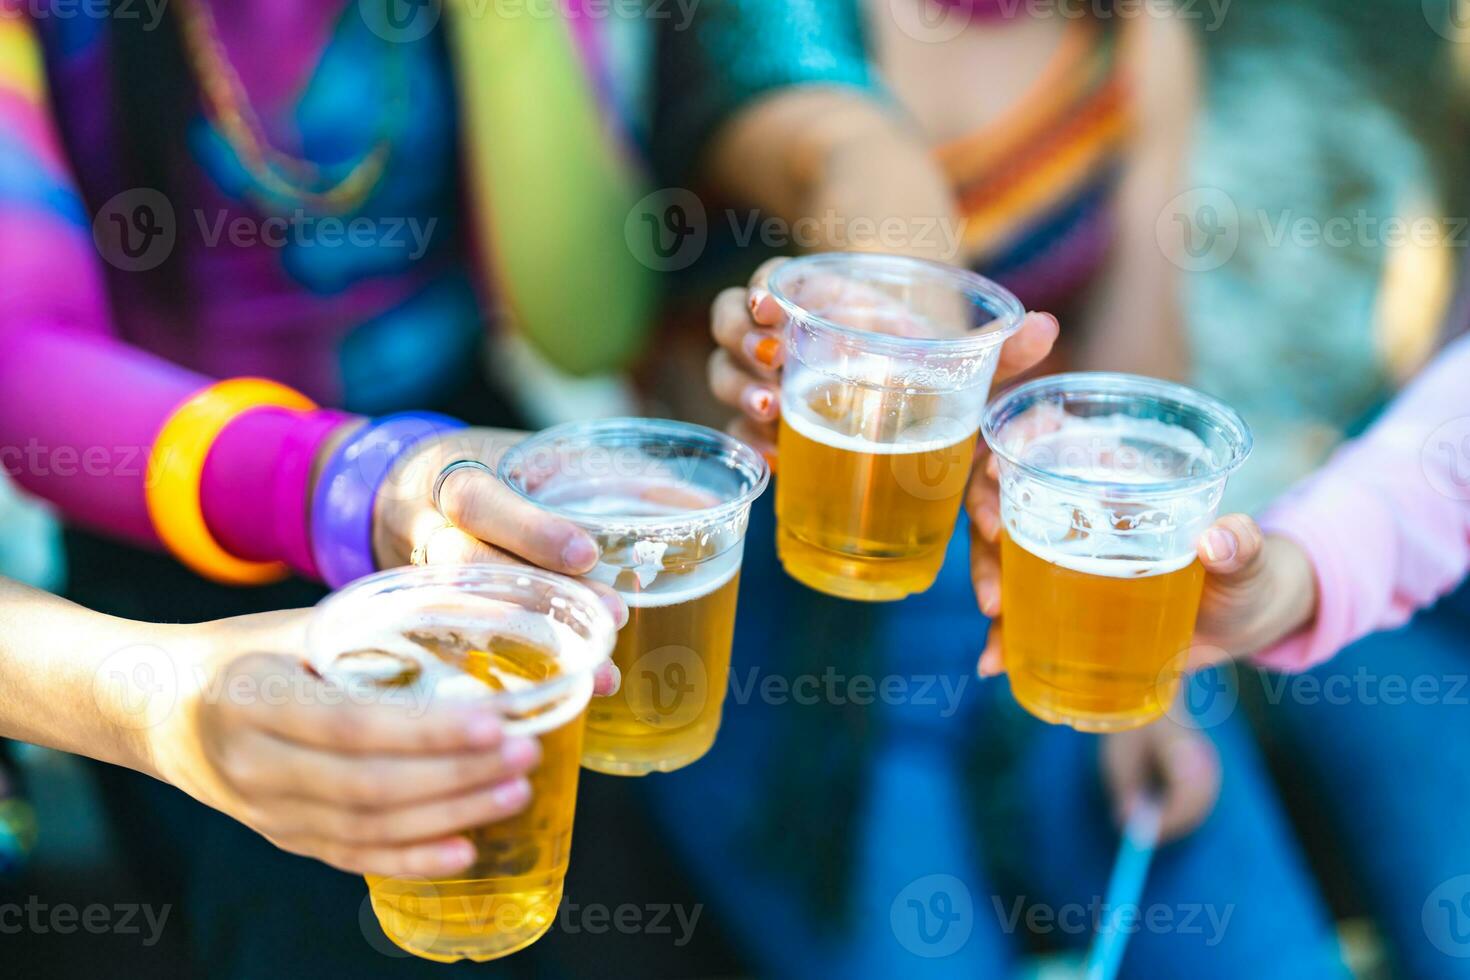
x,y
1236,431
602,630
1008,319
741,457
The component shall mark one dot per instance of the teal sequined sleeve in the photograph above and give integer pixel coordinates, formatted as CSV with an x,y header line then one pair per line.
x,y
733,51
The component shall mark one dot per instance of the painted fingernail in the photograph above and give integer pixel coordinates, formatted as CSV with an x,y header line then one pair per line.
x,y
521,752
758,402
483,730
579,552
764,350
1219,545
511,794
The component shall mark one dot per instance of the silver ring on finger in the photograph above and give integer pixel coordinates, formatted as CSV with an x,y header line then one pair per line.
x,y
458,464
420,553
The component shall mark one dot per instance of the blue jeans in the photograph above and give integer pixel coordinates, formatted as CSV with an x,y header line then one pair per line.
x,y
930,893
1382,735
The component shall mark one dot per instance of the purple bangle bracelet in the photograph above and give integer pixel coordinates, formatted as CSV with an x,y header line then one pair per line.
x,y
342,505
290,502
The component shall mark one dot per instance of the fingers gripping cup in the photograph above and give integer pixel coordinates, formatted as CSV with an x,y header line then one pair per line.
x,y
1106,483
667,503
427,637
890,363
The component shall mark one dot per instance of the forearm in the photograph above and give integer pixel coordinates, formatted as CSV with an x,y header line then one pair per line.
x,y
69,681
844,165
78,415
1386,523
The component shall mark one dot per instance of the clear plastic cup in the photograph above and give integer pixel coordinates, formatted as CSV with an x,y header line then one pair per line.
x,y
428,636
1107,482
889,364
667,503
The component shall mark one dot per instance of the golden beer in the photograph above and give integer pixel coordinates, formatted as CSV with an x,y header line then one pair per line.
x,y
508,898
427,637
667,504
867,499
889,362
1100,650
674,656
1107,482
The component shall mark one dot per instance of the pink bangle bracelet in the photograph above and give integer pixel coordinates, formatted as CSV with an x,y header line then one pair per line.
x,y
291,488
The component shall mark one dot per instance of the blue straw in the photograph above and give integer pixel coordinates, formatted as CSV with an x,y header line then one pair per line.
x,y
1125,888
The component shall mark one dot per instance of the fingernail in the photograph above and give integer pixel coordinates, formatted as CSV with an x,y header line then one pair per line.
x,y
1056,324
990,601
617,676
458,853
1219,545
758,402
579,552
511,794
483,729
765,350
986,667
521,752
756,296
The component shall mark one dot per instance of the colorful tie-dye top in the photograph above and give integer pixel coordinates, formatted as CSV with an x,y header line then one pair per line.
x,y
1035,188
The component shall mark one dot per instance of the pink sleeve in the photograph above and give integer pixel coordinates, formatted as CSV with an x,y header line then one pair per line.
x,y
1386,523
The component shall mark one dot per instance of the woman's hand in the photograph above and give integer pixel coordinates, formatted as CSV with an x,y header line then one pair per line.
x,y
1258,590
1175,763
477,517
744,372
370,785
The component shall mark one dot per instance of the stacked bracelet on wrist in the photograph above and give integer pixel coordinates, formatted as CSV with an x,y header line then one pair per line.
x,y
347,490
291,486
176,469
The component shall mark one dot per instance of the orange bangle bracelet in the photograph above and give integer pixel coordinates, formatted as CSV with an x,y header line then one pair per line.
x,y
176,468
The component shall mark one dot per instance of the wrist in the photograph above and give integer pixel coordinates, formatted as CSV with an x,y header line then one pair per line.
x,y
1290,588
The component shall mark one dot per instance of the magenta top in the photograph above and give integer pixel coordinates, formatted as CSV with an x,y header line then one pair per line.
x,y
1386,523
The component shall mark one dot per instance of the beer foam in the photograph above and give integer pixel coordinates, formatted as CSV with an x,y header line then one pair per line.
x,y
392,616
645,553
707,576
924,436
1105,527
1107,567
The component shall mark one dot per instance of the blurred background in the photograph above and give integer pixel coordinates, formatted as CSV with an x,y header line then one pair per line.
x,y
1310,110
